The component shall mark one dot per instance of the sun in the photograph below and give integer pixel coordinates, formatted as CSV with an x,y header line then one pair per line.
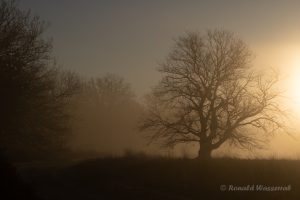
x,y
293,88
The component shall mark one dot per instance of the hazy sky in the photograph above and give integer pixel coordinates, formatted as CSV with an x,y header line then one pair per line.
x,y
130,37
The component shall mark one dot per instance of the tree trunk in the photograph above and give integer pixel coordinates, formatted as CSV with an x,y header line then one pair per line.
x,y
205,150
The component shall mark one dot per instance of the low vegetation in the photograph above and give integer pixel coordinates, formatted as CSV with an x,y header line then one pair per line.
x,y
144,177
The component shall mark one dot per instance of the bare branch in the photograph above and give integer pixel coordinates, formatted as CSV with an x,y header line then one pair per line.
x,y
209,92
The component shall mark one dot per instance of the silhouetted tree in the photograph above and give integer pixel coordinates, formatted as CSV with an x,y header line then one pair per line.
x,y
210,94
33,91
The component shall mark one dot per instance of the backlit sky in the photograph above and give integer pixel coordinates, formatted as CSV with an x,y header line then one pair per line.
x,y
128,37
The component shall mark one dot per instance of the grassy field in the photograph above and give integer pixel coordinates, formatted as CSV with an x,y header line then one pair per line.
x,y
142,177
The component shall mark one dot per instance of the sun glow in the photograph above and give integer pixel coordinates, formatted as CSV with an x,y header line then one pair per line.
x,y
293,87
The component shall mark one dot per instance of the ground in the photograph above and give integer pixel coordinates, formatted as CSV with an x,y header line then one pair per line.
x,y
142,177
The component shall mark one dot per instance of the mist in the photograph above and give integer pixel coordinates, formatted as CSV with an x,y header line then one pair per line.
x,y
106,116
149,100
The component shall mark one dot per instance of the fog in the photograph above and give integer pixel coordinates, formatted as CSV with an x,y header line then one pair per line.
x,y
131,99
106,118
130,39
106,115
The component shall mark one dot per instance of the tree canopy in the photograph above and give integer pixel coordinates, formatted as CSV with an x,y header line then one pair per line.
x,y
33,90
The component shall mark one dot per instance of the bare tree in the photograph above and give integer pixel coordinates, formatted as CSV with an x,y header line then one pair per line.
x,y
209,94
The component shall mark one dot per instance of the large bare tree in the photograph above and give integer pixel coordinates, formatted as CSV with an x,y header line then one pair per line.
x,y
209,94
